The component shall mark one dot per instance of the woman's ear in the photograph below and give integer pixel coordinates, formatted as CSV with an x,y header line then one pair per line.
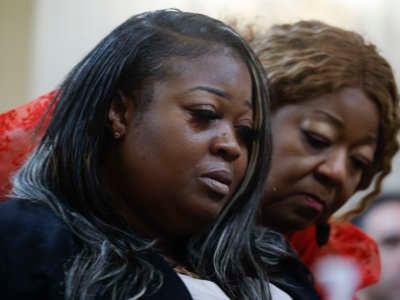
x,y
120,115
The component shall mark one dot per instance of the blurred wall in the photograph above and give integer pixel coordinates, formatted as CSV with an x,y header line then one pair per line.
x,y
15,51
42,39
63,31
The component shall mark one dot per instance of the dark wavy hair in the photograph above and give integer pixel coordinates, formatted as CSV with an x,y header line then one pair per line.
x,y
308,59
65,171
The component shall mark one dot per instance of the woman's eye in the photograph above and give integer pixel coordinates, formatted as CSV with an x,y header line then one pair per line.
x,y
392,241
246,134
205,114
316,140
360,163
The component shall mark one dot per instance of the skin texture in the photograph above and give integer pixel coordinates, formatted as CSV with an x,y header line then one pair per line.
x,y
382,223
320,148
187,151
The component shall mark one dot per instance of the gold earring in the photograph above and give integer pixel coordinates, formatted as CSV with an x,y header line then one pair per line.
x,y
117,135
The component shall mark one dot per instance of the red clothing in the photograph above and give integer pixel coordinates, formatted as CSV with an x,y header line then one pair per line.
x,y
17,138
345,240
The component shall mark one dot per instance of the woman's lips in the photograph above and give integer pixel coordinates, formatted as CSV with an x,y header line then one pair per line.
x,y
215,186
217,181
314,202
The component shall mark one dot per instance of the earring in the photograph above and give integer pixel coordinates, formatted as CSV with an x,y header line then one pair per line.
x,y
322,231
117,135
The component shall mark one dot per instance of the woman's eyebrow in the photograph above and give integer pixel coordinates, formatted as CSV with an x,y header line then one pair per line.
x,y
211,90
339,123
336,121
217,92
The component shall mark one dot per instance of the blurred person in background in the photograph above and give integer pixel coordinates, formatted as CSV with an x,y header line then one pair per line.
x,y
381,221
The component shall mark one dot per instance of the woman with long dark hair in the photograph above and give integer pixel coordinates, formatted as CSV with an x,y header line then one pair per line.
x,y
153,161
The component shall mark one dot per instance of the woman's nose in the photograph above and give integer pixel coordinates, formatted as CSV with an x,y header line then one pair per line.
x,y
226,145
333,169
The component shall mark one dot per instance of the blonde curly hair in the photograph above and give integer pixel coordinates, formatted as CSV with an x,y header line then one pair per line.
x,y
308,59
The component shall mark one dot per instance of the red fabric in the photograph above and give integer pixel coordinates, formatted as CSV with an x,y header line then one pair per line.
x,y
345,240
17,128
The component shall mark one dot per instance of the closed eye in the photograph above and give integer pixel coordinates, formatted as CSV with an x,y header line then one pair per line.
x,y
246,134
205,115
315,140
360,163
391,241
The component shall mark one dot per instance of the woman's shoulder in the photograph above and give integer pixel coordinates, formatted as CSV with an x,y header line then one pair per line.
x,y
29,225
24,220
35,245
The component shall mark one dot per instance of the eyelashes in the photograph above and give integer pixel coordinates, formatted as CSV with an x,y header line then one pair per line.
x,y
319,142
205,114
361,163
316,140
246,134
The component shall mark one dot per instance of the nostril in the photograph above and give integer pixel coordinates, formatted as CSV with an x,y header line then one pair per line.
x,y
235,155
229,152
324,179
226,145
330,175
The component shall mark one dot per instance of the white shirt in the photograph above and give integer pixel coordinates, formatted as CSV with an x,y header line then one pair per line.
x,y
201,289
